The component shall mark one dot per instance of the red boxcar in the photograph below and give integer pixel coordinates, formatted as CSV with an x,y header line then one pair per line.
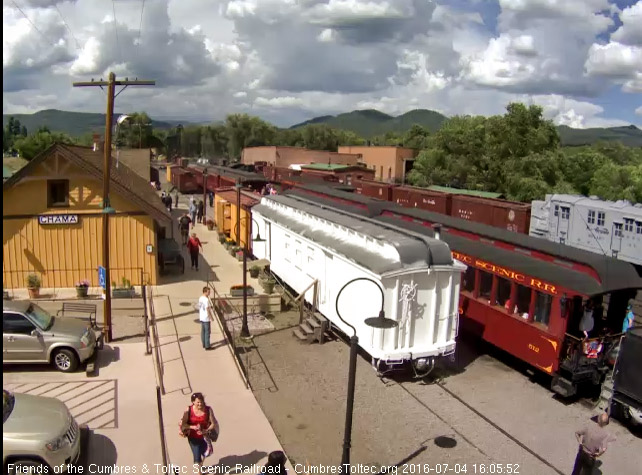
x,y
422,198
375,189
510,215
185,181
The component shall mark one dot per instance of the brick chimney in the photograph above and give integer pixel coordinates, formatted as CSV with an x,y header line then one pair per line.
x,y
99,144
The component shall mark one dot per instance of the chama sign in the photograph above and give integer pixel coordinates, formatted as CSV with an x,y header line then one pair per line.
x,y
58,219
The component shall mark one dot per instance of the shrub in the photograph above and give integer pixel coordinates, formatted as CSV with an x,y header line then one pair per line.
x,y
33,281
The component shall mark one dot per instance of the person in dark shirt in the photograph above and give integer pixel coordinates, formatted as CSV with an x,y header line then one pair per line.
x,y
183,224
199,211
594,440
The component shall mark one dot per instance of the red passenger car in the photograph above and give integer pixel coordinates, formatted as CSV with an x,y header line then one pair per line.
x,y
525,295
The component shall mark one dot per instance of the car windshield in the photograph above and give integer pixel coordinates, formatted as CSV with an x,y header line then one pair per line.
x,y
7,404
40,316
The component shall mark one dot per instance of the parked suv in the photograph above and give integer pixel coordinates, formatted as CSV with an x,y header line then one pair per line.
x,y
32,335
38,433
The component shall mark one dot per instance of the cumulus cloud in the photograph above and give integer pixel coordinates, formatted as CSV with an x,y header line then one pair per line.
x,y
630,33
290,60
638,111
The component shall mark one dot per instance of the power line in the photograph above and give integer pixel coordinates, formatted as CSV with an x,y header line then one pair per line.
x,y
140,26
68,29
120,51
33,24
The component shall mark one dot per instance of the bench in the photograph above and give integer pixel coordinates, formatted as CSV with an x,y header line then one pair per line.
x,y
85,309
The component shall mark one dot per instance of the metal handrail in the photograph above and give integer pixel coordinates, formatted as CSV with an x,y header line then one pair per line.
x,y
231,336
156,342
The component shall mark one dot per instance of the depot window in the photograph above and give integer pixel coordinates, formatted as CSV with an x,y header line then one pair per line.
x,y
485,284
503,291
542,308
468,279
57,193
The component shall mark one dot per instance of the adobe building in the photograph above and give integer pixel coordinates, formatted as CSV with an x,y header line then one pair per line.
x,y
52,221
390,164
283,157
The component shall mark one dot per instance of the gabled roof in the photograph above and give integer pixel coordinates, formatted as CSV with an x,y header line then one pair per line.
x,y
124,181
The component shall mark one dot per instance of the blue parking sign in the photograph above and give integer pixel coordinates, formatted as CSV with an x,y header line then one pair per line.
x,y
102,277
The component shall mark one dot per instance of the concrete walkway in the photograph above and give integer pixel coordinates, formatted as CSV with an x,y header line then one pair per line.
x,y
246,437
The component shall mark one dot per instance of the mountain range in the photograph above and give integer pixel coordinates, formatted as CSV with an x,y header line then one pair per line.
x,y
366,123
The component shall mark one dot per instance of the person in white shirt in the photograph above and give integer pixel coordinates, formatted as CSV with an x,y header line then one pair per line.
x,y
205,316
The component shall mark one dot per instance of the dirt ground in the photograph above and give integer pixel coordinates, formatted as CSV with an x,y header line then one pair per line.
x,y
483,412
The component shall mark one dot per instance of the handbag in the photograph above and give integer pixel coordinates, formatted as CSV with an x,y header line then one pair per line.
x,y
213,433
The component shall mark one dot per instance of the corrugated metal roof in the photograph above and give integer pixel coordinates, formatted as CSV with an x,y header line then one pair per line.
x,y
229,194
412,252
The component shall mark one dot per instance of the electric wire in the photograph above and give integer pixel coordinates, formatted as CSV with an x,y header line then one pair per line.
x,y
120,51
140,25
33,24
68,28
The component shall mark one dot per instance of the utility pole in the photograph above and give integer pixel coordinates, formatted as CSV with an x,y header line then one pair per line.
x,y
107,209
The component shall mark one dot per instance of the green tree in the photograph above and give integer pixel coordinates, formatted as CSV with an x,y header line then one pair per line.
x,y
30,146
613,182
416,137
245,131
135,131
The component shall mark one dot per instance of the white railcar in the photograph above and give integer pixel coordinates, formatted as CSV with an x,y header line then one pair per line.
x,y
420,279
605,227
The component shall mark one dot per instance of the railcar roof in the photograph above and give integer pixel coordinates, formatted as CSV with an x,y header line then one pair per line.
x,y
413,251
613,273
373,206
608,268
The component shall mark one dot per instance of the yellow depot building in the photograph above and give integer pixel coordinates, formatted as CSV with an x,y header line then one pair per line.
x,y
52,221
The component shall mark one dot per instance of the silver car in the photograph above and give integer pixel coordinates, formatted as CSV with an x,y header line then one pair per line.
x,y
38,434
32,335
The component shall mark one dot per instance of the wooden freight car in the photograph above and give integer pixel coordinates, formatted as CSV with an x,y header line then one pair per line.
x,y
422,198
510,215
375,189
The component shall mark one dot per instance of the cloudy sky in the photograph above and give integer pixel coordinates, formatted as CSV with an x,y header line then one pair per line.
x,y
291,60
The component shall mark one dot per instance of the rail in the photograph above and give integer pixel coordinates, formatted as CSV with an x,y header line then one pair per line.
x,y
155,342
230,335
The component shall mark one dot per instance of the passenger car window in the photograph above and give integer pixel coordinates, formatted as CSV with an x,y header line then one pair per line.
x,y
16,323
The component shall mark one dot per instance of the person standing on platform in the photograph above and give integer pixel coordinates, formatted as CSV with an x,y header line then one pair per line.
x,y
192,210
205,317
192,246
200,208
183,224
629,319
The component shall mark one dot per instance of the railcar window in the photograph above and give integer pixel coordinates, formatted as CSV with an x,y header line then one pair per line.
x,y
638,227
601,217
566,212
503,291
523,303
468,280
557,210
543,308
628,225
591,217
617,231
485,285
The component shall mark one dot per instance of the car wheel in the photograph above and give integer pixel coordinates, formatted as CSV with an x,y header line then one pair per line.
x,y
65,360
17,467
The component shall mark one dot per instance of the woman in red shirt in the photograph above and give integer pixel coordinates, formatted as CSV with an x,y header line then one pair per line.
x,y
192,246
198,422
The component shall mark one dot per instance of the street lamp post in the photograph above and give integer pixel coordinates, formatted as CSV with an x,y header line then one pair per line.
x,y
245,330
204,196
380,322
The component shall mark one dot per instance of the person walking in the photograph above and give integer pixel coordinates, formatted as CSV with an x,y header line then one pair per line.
x,y
192,246
211,196
199,425
205,316
275,463
192,210
183,226
200,208
176,199
593,440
